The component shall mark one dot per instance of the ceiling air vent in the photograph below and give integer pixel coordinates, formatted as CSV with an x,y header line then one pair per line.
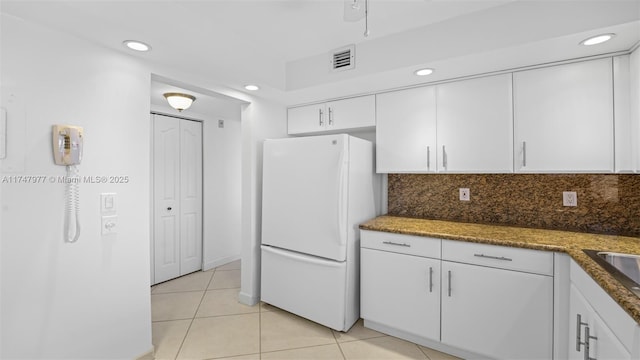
x,y
343,58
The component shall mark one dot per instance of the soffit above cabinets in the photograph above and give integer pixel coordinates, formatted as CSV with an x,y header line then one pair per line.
x,y
283,46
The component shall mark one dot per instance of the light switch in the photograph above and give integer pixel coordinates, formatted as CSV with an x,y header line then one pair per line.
x,y
108,203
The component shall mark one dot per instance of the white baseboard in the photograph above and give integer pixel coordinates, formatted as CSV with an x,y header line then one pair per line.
x,y
219,262
149,355
248,299
433,344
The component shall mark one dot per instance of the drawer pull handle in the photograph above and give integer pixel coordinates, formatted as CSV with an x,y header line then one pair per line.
x,y
449,283
493,257
431,279
396,244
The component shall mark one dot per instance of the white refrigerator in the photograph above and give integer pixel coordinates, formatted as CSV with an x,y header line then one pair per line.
x,y
315,192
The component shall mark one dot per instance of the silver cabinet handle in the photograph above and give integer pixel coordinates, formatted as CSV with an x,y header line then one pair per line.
x,y
579,324
524,154
444,158
431,279
428,158
587,343
396,244
330,116
449,282
493,257
320,114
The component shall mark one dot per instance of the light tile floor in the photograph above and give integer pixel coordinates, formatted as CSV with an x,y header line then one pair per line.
x,y
198,316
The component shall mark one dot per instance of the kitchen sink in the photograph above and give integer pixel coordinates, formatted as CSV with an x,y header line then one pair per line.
x,y
624,267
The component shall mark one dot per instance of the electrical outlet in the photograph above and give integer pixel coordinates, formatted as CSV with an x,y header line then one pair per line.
x,y
569,198
109,225
465,194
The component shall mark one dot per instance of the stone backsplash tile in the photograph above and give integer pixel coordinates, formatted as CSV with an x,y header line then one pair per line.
x,y
607,204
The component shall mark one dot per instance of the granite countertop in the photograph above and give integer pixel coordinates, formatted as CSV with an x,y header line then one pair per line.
x,y
571,243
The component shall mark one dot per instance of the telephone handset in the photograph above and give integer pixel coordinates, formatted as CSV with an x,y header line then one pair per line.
x,y
67,144
67,150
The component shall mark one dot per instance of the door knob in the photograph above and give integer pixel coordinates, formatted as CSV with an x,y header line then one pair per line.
x,y
169,208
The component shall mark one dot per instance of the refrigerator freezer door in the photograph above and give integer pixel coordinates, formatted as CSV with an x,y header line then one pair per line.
x,y
304,195
310,287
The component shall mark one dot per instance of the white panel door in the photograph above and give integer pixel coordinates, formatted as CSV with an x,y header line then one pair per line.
x,y
166,191
304,195
406,131
475,125
190,196
177,197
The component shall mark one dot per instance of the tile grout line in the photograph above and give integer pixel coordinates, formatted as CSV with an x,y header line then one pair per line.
x,y
344,357
194,316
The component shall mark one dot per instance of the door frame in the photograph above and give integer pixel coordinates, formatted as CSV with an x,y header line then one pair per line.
x,y
152,115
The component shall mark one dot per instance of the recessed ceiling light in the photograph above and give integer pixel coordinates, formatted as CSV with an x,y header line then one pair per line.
x,y
252,87
136,45
423,72
598,39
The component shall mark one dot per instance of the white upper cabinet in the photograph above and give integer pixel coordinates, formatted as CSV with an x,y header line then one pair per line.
x,y
333,116
563,118
306,119
475,125
406,131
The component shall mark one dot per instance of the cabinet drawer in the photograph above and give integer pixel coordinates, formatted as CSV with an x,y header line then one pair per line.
x,y
402,244
532,261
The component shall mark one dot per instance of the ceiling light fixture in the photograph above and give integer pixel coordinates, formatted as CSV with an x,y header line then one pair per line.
x,y
423,72
251,87
355,10
598,39
136,45
179,101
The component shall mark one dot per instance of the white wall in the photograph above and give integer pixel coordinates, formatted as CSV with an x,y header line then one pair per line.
x,y
222,191
89,299
260,120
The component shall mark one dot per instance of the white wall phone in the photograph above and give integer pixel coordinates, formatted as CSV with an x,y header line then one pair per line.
x,y
67,150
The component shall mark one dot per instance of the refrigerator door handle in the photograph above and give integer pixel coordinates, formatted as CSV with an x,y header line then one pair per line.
x,y
302,257
342,204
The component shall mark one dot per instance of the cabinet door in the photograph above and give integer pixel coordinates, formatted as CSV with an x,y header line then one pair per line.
x,y
406,131
605,345
497,313
475,125
354,113
401,291
306,119
563,118
635,106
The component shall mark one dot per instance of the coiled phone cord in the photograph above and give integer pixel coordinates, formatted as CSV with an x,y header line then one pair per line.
x,y
72,206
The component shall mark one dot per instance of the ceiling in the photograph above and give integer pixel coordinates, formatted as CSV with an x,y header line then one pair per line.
x,y
284,46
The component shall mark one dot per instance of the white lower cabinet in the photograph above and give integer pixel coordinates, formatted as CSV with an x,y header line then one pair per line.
x,y
476,308
497,313
401,291
599,329
590,338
